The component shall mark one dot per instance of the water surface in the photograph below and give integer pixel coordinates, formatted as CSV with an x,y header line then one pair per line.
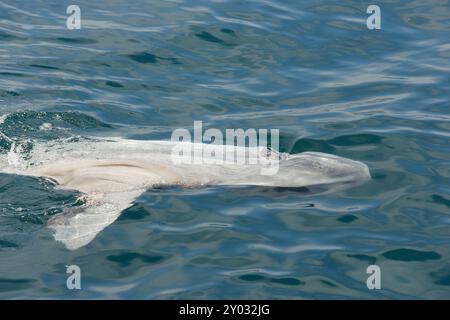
x,y
141,69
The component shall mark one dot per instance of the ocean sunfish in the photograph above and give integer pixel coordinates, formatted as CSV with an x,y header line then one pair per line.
x,y
113,172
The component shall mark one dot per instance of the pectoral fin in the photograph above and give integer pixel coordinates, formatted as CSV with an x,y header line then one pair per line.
x,y
76,227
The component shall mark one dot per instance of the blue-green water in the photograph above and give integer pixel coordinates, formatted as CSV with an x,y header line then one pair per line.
x,y
140,69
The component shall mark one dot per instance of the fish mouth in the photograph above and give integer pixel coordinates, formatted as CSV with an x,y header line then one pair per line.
x,y
351,170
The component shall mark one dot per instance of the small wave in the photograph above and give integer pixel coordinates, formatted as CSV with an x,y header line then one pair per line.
x,y
47,125
295,248
200,226
256,270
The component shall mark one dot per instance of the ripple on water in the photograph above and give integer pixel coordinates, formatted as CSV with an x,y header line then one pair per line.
x,y
312,70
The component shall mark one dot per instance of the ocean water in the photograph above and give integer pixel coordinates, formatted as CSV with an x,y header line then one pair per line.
x,y
312,69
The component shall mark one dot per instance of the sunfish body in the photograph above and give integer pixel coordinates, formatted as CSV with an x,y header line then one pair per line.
x,y
114,172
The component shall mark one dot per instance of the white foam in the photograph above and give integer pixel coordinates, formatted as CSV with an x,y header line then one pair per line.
x,y
45,126
3,118
13,157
